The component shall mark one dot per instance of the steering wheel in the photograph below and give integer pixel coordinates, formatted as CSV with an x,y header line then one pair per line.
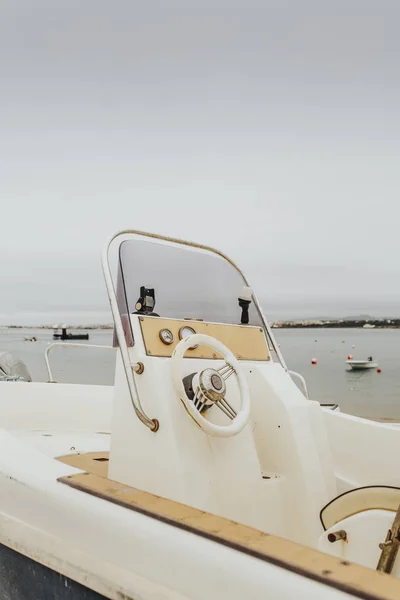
x,y
209,387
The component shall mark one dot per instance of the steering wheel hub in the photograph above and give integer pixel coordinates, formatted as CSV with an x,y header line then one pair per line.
x,y
212,385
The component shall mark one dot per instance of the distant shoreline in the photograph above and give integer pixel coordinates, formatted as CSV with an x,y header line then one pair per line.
x,y
310,324
340,324
75,327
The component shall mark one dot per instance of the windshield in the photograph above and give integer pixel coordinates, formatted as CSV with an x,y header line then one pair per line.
x,y
188,283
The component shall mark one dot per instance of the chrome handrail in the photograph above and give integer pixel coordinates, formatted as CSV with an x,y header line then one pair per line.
x,y
68,345
153,423
303,382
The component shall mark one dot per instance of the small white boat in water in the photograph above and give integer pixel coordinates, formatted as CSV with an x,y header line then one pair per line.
x,y
204,472
358,365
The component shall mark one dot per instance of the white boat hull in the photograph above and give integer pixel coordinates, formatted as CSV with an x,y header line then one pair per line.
x,y
95,549
130,555
358,365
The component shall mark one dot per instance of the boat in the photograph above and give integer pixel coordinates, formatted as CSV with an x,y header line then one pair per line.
x,y
205,471
358,365
64,335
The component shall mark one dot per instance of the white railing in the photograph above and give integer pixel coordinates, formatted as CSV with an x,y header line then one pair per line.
x,y
67,345
302,381
329,405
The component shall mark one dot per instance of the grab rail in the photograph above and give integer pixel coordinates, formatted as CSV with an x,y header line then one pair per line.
x,y
68,345
153,424
330,406
303,382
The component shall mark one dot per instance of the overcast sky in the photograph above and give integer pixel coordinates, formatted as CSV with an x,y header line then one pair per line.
x,y
269,129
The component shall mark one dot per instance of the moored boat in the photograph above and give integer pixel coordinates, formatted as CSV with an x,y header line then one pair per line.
x,y
358,365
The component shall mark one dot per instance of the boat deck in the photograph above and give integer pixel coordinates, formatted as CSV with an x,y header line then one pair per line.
x,y
348,577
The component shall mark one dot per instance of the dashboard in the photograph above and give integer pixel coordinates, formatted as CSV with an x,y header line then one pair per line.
x,y
160,337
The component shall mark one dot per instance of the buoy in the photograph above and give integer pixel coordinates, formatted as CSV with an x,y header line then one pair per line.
x,y
379,370
314,361
349,357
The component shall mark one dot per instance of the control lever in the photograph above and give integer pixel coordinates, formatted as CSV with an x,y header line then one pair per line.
x,y
244,303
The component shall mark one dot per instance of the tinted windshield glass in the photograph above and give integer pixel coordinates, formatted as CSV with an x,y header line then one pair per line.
x,y
188,282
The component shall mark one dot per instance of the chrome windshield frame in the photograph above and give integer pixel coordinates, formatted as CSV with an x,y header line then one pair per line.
x,y
112,297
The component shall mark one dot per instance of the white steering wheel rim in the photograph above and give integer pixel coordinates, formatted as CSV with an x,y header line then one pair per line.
x,y
241,419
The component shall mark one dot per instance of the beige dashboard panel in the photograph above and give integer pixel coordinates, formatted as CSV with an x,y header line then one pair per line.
x,y
246,342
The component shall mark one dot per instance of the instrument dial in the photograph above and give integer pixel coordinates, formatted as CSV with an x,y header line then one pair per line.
x,y
185,332
166,336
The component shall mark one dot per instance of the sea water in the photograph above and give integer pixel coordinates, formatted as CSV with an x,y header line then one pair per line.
x,y
364,393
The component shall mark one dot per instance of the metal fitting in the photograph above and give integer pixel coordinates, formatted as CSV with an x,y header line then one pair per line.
x,y
138,368
335,536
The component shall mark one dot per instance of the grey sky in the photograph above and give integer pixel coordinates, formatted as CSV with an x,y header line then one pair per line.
x,y
268,129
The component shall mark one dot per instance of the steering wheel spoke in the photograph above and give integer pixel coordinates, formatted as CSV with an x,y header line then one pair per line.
x,y
226,371
196,400
199,401
226,408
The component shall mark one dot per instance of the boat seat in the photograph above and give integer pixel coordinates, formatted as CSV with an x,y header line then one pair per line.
x,y
383,497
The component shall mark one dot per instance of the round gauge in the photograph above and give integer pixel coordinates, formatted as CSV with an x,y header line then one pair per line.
x,y
166,336
185,332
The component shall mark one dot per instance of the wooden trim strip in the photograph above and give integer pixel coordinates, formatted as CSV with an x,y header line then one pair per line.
x,y
348,577
91,462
